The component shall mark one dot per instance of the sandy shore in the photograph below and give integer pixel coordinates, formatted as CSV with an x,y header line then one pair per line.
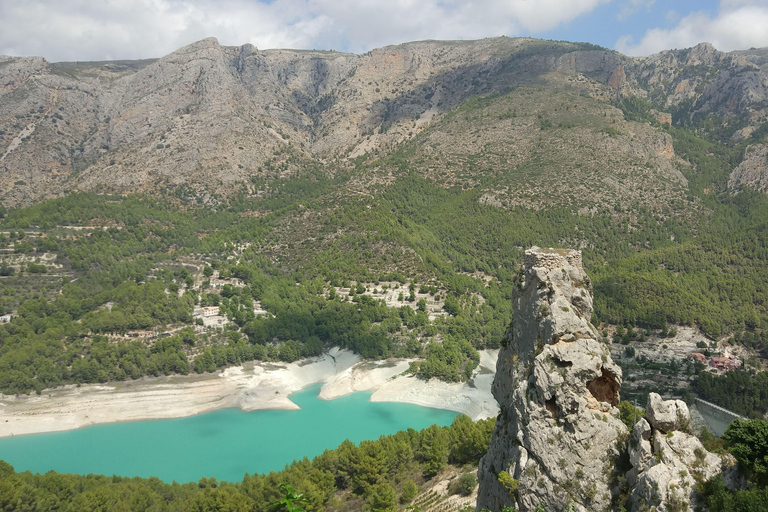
x,y
473,399
250,387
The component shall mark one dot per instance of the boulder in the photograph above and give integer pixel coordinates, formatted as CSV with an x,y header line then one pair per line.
x,y
666,459
667,415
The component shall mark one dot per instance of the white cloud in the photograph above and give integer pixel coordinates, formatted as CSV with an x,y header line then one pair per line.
x,y
739,24
130,29
630,7
671,16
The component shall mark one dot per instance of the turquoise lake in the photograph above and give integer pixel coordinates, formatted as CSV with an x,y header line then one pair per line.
x,y
224,444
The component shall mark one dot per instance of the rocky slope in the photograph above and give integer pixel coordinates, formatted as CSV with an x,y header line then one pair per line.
x,y
697,82
666,459
209,120
559,440
753,170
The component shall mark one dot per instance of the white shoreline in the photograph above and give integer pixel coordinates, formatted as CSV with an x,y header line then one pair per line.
x,y
250,387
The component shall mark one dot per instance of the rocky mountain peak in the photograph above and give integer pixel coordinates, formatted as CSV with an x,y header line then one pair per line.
x,y
558,388
702,53
16,71
216,119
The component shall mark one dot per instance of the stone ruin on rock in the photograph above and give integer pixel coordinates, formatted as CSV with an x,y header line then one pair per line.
x,y
559,429
558,441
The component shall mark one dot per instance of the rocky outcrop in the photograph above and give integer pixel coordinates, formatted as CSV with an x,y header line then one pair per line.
x,y
14,72
558,432
558,441
706,81
667,459
752,171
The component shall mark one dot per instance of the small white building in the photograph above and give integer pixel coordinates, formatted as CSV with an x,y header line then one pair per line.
x,y
210,311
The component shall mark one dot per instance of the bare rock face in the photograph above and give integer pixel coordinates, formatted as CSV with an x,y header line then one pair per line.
x,y
559,432
666,458
753,170
713,82
667,415
558,437
209,120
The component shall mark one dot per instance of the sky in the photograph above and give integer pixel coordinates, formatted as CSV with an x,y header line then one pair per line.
x,y
70,30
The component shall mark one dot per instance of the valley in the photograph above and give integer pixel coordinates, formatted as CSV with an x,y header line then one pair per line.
x,y
183,234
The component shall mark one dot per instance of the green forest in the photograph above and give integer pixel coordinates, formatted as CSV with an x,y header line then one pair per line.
x,y
122,278
376,475
135,268
747,442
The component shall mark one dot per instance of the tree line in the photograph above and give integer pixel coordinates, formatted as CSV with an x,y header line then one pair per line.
x,y
378,475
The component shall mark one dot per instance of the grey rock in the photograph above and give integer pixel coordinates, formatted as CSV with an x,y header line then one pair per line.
x,y
666,460
641,450
211,117
752,171
558,437
558,390
667,415
725,84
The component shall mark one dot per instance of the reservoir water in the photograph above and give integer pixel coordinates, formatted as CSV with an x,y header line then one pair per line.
x,y
224,444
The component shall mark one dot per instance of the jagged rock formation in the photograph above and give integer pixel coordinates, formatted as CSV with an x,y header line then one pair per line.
x,y
558,433
210,119
752,171
559,440
709,81
666,458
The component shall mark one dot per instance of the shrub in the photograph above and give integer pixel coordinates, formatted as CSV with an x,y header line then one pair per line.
x,y
463,485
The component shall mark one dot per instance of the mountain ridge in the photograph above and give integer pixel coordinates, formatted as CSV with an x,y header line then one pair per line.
x,y
212,117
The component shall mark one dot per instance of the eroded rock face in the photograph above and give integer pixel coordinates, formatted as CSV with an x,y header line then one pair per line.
x,y
752,171
207,118
559,431
558,437
666,458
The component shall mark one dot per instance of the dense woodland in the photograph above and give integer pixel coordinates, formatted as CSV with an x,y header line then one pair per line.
x,y
747,441
740,391
61,338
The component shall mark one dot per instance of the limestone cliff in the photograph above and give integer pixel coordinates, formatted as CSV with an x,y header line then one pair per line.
x,y
559,432
559,441
209,120
752,171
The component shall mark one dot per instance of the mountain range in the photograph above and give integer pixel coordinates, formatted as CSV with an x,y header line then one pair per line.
x,y
531,123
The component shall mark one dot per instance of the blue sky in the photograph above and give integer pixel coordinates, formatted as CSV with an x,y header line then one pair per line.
x,y
131,29
610,22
